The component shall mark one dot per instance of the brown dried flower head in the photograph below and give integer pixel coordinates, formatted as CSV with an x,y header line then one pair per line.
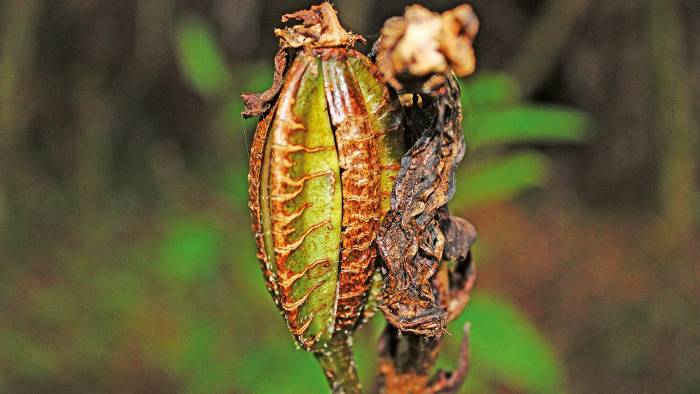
x,y
423,44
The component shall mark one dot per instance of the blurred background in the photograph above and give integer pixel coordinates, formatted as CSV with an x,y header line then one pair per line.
x,y
126,259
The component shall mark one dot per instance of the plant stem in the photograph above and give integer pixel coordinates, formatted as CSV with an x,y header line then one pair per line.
x,y
338,365
406,361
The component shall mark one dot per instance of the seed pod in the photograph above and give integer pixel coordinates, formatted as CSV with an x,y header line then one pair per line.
x,y
322,165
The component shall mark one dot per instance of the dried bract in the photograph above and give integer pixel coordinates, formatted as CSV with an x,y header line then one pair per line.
x,y
257,104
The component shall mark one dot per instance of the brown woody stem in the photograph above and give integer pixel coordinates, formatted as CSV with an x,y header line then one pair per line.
x,y
338,364
406,361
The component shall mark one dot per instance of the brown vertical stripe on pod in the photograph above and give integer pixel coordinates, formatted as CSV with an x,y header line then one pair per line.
x,y
386,118
357,153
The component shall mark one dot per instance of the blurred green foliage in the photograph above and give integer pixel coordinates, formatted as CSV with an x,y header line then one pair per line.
x,y
190,251
500,178
201,60
506,348
501,131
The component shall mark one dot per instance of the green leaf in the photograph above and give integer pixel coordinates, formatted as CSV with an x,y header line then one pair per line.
x,y
488,90
199,56
190,250
285,369
235,184
525,124
499,179
507,348
29,357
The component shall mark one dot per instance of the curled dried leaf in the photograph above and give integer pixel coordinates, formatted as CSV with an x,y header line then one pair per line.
x,y
428,265
411,241
319,28
420,47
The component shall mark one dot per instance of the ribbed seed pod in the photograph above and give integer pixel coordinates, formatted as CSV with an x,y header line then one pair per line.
x,y
323,161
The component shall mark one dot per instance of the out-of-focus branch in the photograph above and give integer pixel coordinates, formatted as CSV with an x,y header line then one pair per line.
x,y
144,64
544,42
676,128
18,44
92,173
18,24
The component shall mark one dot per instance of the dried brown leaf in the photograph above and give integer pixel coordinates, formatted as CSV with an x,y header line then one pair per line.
x,y
411,241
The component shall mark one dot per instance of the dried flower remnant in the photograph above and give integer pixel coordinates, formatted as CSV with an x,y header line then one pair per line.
x,y
430,284
319,28
421,47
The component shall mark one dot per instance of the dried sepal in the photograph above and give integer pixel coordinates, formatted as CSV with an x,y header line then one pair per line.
x,y
419,48
257,104
319,28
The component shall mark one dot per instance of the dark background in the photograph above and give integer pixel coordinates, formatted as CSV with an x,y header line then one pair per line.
x,y
126,259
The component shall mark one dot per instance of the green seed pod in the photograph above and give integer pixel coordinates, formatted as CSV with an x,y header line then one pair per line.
x,y
323,162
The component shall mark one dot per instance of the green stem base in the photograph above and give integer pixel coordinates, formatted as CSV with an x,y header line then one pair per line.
x,y
338,365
